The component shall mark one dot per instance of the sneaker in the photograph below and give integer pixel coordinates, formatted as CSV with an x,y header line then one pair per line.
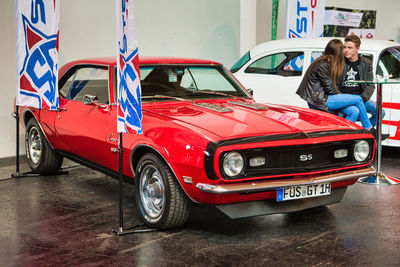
x,y
384,136
373,132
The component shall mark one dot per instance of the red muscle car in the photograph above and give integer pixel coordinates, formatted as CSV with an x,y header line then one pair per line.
x,y
204,140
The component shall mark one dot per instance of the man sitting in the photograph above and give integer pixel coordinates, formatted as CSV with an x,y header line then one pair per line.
x,y
358,67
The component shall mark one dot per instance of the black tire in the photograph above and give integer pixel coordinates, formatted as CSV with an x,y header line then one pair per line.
x,y
160,199
42,159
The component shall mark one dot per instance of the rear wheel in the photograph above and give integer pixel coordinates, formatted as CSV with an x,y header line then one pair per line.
x,y
42,159
160,199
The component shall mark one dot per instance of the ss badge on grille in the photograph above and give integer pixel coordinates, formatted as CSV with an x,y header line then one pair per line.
x,y
305,157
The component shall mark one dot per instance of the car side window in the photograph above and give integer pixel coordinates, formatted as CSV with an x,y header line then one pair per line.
x,y
389,63
315,55
64,88
115,85
87,81
283,64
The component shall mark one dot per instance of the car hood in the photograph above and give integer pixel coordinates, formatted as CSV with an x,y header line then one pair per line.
x,y
239,119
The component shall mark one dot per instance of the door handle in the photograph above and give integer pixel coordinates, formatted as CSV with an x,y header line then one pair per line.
x,y
112,139
61,109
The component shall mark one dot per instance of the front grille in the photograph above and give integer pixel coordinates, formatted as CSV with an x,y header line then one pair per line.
x,y
286,160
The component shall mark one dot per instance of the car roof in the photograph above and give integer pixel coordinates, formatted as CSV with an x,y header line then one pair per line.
x,y
111,61
144,60
366,44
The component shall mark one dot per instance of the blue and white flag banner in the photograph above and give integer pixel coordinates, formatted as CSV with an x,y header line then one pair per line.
x,y
37,27
304,18
129,90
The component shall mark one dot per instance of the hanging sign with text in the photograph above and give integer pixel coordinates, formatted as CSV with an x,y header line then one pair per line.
x,y
304,18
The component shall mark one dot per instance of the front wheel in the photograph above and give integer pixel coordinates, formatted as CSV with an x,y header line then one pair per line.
x,y
42,159
160,199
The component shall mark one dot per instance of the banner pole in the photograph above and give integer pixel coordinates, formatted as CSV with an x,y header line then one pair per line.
x,y
128,55
16,116
121,185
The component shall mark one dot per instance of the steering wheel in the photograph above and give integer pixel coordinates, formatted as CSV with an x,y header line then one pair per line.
x,y
155,88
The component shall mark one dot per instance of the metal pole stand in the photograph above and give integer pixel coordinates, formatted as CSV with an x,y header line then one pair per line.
x,y
136,229
139,228
17,174
379,178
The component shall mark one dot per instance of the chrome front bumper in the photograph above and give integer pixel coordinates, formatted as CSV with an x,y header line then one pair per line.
x,y
273,185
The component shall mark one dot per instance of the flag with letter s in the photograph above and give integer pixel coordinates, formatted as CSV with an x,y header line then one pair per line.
x,y
128,74
37,28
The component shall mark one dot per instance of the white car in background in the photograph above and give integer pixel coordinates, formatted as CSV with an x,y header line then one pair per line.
x,y
273,71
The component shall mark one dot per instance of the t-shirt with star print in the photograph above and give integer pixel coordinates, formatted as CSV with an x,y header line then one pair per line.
x,y
351,75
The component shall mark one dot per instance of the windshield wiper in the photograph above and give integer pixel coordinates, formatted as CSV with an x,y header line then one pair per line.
x,y
163,96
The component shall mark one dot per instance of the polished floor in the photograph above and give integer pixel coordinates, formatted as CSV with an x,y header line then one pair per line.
x,y
66,220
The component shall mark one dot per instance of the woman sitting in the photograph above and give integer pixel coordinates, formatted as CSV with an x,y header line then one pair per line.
x,y
319,86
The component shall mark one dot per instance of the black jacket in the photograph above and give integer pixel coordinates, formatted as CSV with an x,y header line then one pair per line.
x,y
365,72
317,84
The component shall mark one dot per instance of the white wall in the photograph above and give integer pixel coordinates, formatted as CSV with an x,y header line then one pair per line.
x,y
86,31
203,29
264,18
191,28
248,25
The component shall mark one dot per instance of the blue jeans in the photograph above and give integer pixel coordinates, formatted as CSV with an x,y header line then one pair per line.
x,y
342,101
350,113
371,108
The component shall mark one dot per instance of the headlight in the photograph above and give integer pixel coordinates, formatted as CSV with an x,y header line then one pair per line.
x,y
233,163
361,150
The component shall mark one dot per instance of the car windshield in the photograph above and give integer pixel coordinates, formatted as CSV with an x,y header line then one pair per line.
x,y
163,82
243,60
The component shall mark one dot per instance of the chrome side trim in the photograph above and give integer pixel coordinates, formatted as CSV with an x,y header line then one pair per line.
x,y
273,185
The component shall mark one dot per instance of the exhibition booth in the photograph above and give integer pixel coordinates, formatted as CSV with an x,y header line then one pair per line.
x,y
223,143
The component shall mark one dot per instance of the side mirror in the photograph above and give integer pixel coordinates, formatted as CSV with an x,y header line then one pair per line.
x,y
250,91
90,99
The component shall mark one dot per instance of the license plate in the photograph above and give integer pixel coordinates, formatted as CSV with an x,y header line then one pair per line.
x,y
303,191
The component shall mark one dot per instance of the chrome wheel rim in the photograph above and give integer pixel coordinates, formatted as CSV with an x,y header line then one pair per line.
x,y
152,191
34,145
